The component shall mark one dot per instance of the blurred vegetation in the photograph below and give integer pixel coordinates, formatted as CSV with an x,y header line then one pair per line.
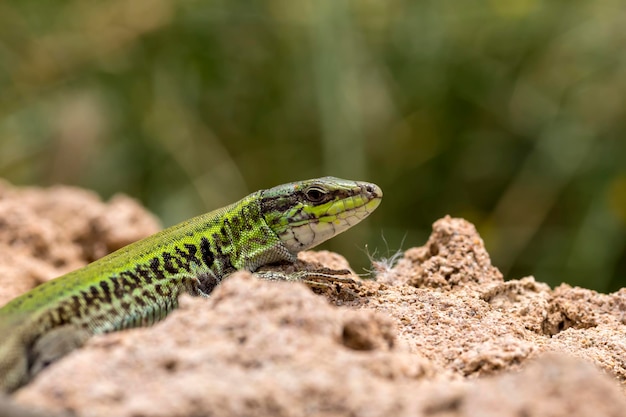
x,y
510,113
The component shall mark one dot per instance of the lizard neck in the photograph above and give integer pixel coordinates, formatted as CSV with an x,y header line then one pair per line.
x,y
238,239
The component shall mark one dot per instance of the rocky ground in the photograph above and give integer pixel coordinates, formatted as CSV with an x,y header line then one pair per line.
x,y
439,333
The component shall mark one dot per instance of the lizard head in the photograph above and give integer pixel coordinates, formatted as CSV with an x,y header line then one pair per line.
x,y
306,213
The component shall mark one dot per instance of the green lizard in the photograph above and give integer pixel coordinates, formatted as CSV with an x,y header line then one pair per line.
x,y
140,283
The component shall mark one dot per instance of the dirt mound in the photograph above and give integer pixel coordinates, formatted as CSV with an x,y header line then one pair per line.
x,y
440,333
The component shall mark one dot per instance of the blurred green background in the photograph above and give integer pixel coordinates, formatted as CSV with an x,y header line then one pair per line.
x,y
509,113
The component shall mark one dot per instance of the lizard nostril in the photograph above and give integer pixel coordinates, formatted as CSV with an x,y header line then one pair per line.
x,y
373,191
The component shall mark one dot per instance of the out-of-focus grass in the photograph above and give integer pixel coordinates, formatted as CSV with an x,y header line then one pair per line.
x,y
508,113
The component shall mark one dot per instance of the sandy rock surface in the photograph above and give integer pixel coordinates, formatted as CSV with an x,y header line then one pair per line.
x,y
439,333
45,233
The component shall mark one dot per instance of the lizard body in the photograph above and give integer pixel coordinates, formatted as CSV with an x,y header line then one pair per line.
x,y
140,283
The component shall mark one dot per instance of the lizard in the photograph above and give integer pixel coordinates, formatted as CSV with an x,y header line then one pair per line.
x,y
139,284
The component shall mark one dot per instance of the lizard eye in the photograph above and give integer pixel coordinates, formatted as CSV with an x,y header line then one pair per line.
x,y
315,194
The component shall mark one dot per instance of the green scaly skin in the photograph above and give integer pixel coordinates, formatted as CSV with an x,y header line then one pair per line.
x,y
140,283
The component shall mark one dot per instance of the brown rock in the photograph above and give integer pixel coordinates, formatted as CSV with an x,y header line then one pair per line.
x,y
454,256
438,334
553,386
255,347
45,233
